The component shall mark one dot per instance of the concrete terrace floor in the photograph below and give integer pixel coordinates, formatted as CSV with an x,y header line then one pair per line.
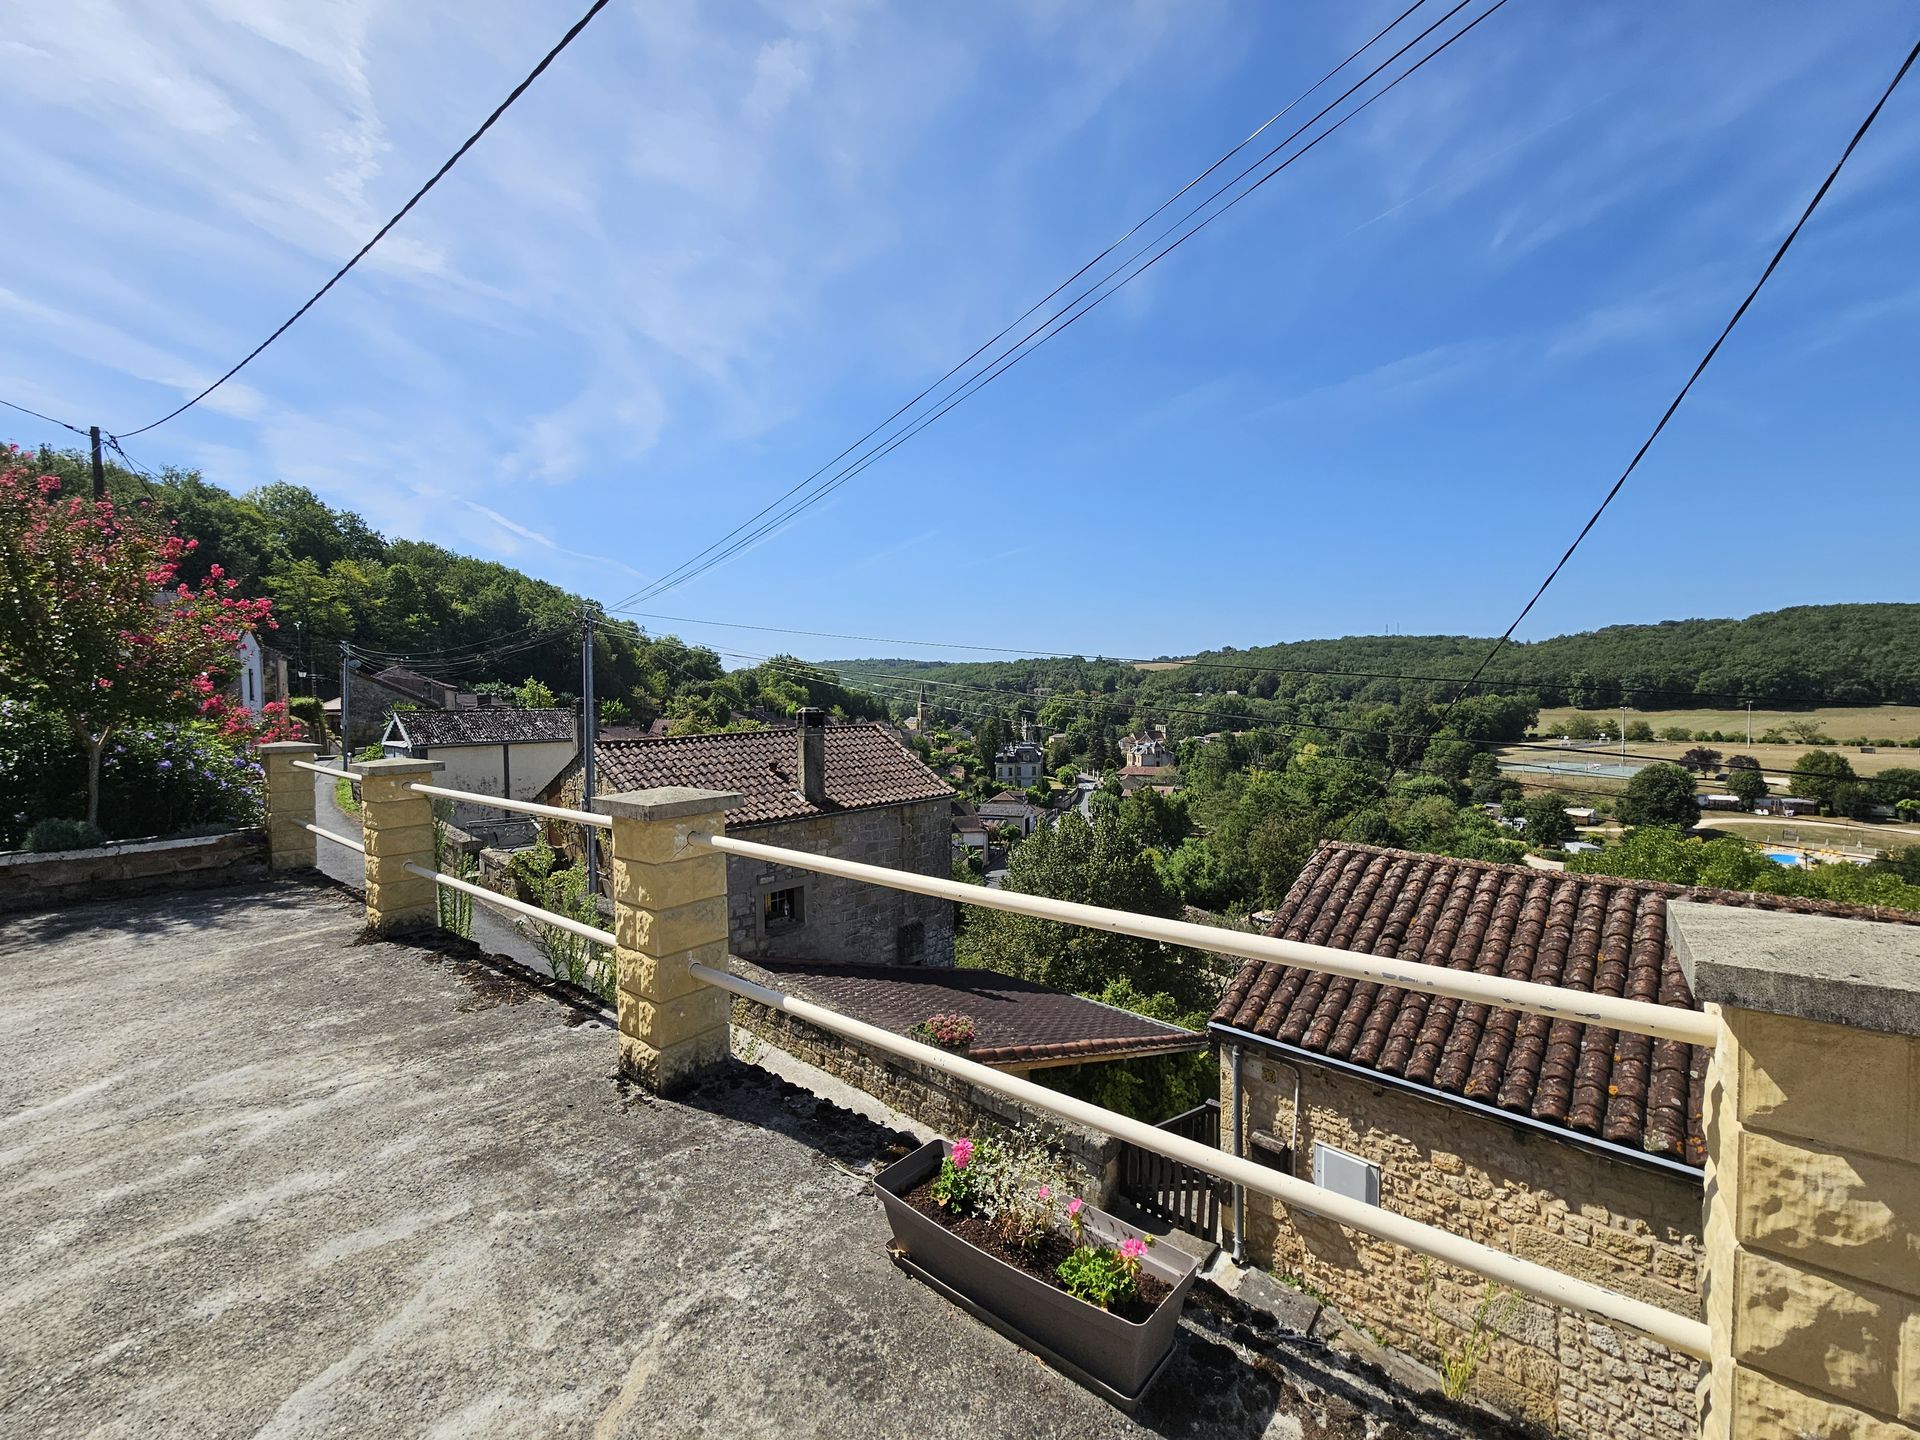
x,y
260,1178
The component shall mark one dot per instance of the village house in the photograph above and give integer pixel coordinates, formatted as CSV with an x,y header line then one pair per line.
x,y
1019,765
1009,808
1147,749
259,673
851,791
1575,1146
493,750
1164,778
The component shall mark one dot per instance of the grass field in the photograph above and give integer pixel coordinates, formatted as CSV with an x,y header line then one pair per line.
x,y
1876,722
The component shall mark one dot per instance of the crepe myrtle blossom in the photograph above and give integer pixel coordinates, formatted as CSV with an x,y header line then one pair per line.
x,y
95,625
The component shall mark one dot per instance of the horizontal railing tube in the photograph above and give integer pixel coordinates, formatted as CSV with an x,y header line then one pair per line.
x,y
519,907
1668,1022
336,839
525,807
318,769
1676,1332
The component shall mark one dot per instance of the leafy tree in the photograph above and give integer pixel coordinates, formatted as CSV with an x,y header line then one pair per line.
x,y
1701,760
1818,774
1580,727
1661,795
1098,864
90,630
1639,731
532,694
1747,783
1675,733
1728,863
1547,822
1741,762
1805,732
1151,1089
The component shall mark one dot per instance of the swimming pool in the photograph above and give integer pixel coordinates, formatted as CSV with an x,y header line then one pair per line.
x,y
1786,857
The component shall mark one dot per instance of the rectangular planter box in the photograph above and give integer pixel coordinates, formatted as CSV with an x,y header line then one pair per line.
x,y
1116,1354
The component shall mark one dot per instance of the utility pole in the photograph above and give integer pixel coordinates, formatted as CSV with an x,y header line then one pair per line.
x,y
589,730
346,684
1749,722
99,469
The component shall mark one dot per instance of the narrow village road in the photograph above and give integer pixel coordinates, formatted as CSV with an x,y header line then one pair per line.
x,y
492,932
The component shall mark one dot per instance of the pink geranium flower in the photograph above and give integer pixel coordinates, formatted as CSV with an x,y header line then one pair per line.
x,y
1074,1205
962,1153
1045,1193
1132,1249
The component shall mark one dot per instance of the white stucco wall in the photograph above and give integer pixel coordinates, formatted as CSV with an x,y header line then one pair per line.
x,y
532,767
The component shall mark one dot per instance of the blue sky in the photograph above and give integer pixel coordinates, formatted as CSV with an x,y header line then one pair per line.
x,y
715,244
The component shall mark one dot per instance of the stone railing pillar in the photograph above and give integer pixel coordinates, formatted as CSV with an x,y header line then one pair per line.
x,y
289,805
669,910
397,828
1812,1266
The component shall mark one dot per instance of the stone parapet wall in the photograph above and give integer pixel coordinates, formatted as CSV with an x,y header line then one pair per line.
x,y
132,867
1814,1236
941,1102
1610,1221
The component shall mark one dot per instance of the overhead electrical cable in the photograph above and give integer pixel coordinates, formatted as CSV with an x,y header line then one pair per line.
x,y
1699,369
565,40
38,416
1073,311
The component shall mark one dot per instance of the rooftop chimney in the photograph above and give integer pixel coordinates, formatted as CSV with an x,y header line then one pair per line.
x,y
813,754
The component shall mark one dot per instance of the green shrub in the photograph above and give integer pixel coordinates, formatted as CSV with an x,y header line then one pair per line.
x,y
155,780
50,835
308,711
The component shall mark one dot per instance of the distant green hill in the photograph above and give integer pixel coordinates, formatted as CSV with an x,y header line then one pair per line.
x,y
1808,655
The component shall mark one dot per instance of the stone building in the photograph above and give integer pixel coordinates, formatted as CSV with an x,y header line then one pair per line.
x,y
1578,1147
495,750
1020,764
850,791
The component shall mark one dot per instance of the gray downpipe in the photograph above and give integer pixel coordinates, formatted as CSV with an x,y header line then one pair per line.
x,y
1234,1147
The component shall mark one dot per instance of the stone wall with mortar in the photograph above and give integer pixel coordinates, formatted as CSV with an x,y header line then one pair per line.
x,y
1814,1236
942,1103
1610,1221
133,867
845,921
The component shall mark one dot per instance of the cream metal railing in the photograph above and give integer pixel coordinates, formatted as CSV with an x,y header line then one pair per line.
x,y
1684,1334
1666,1022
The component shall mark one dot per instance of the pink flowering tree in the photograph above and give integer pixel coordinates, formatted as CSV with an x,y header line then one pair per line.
x,y
93,626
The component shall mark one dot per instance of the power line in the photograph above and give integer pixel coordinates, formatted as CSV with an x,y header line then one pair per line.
x,y
565,40
1699,369
1043,300
1061,319
38,416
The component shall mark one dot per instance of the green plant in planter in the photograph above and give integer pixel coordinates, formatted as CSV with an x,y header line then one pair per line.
x,y
1103,1275
958,1185
1023,1185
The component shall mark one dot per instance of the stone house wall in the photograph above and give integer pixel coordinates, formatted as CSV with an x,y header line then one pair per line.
x,y
845,921
1611,1221
943,1103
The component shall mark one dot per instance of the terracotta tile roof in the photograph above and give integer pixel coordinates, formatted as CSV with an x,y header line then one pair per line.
x,y
1016,1022
866,767
494,725
1593,933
